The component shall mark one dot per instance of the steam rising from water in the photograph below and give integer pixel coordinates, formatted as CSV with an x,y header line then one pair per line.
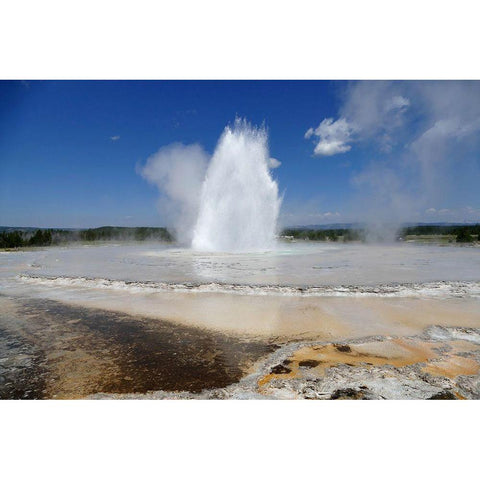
x,y
239,201
178,172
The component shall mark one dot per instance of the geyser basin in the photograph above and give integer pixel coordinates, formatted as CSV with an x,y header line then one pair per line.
x,y
299,290
239,201
289,265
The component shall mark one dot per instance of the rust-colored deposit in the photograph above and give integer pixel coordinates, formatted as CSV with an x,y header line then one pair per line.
x,y
440,358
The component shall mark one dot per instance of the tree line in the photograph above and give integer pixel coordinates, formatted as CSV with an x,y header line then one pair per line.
x,y
46,237
442,230
331,235
462,233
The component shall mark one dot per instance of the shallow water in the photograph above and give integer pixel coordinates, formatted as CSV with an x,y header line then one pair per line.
x,y
290,264
299,290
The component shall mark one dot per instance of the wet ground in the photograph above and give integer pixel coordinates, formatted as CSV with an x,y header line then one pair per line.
x,y
443,363
52,350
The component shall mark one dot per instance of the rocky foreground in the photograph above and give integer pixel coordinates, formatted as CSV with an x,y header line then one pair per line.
x,y
442,363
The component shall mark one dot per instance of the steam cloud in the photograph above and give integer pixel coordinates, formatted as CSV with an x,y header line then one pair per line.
x,y
178,172
422,135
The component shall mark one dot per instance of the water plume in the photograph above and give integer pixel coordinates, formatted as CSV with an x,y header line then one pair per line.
x,y
239,202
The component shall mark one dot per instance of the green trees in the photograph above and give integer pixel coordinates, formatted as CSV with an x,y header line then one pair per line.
x,y
45,237
88,235
464,237
11,239
331,235
354,236
41,238
441,230
17,238
126,233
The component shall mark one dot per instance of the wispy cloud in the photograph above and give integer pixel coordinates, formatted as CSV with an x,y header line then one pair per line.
x,y
273,163
371,111
309,212
465,214
115,138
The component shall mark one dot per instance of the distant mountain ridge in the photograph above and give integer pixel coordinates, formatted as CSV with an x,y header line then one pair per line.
x,y
357,225
4,228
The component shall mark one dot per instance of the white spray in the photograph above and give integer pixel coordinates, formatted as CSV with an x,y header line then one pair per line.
x,y
239,202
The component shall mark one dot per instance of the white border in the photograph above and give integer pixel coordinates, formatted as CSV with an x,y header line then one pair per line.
x,y
186,39
239,439
225,40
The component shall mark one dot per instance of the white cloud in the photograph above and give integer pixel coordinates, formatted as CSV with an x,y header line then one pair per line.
x,y
333,136
331,214
115,138
372,111
331,147
397,102
325,215
308,215
458,214
309,133
273,163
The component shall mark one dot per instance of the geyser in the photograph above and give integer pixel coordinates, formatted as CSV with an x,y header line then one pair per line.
x,y
239,202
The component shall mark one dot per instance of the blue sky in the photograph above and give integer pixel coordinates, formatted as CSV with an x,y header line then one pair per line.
x,y
349,151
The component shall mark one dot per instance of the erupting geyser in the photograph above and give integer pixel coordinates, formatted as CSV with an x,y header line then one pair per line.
x,y
239,202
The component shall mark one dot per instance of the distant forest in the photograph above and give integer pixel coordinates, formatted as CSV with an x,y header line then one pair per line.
x,y
43,237
331,234
29,237
461,233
